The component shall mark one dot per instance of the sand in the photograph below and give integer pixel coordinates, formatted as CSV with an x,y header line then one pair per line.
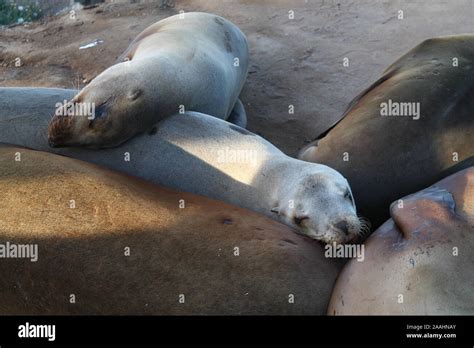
x,y
294,61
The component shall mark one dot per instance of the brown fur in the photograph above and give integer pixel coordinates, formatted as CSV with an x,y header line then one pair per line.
x,y
390,157
412,255
173,251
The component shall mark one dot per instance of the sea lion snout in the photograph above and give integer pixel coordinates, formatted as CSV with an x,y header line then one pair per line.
x,y
58,131
345,230
342,226
55,140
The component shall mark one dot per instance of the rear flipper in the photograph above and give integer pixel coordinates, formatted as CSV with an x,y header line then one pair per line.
x,y
308,153
238,116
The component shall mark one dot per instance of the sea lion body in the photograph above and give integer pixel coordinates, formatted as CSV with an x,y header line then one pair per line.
x,y
386,157
420,261
191,61
198,153
128,247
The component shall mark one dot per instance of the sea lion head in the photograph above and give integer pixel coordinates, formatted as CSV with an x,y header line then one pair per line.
x,y
319,204
103,114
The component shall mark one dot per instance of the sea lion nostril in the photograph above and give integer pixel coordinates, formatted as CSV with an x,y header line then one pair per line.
x,y
343,226
299,219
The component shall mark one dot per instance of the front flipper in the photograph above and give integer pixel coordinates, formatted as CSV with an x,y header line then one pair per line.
x,y
308,152
424,213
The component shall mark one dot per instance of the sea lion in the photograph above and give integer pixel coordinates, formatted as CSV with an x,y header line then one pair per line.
x,y
190,61
386,157
420,261
198,153
108,243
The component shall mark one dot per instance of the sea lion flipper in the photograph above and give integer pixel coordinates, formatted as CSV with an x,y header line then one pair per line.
x,y
130,51
308,152
389,73
128,54
423,211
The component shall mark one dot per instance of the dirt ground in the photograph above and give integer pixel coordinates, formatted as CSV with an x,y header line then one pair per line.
x,y
294,61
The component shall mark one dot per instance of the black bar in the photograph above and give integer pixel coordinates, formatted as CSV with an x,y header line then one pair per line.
x,y
263,330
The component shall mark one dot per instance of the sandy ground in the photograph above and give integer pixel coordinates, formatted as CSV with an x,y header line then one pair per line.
x,y
295,61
